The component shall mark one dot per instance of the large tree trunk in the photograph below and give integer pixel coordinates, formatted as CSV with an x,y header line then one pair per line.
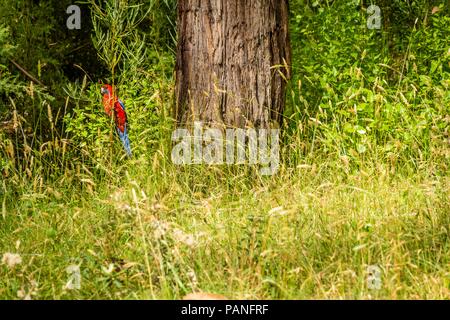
x,y
232,62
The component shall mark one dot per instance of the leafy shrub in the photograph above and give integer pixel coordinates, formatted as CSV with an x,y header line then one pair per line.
x,y
356,94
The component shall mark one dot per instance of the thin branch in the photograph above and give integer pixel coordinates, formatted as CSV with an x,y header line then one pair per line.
x,y
25,72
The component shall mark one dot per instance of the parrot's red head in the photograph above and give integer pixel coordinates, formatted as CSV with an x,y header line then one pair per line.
x,y
107,90
108,98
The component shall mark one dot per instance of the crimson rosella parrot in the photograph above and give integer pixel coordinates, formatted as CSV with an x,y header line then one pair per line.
x,y
113,104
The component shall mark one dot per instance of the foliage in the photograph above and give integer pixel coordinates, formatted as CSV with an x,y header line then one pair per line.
x,y
8,84
122,47
359,96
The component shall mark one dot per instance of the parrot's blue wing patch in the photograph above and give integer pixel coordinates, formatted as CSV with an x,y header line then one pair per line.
x,y
125,140
121,104
124,136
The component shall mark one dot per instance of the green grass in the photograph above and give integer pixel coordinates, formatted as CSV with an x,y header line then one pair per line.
x,y
312,231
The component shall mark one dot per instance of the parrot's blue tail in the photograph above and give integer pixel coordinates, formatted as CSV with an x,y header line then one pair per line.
x,y
125,141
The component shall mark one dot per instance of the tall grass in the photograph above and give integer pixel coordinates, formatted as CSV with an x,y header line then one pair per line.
x,y
152,230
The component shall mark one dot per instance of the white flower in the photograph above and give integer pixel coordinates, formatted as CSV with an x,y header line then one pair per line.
x,y
11,259
374,281
187,239
160,228
74,282
279,211
108,270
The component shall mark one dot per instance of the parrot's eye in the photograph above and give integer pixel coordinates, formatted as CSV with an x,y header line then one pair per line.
x,y
104,91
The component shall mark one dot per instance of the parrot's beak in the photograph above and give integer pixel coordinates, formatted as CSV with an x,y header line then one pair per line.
x,y
104,91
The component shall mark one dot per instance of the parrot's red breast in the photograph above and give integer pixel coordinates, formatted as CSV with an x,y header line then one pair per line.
x,y
109,98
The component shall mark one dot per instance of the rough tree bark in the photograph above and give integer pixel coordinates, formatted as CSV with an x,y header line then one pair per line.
x,y
232,62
